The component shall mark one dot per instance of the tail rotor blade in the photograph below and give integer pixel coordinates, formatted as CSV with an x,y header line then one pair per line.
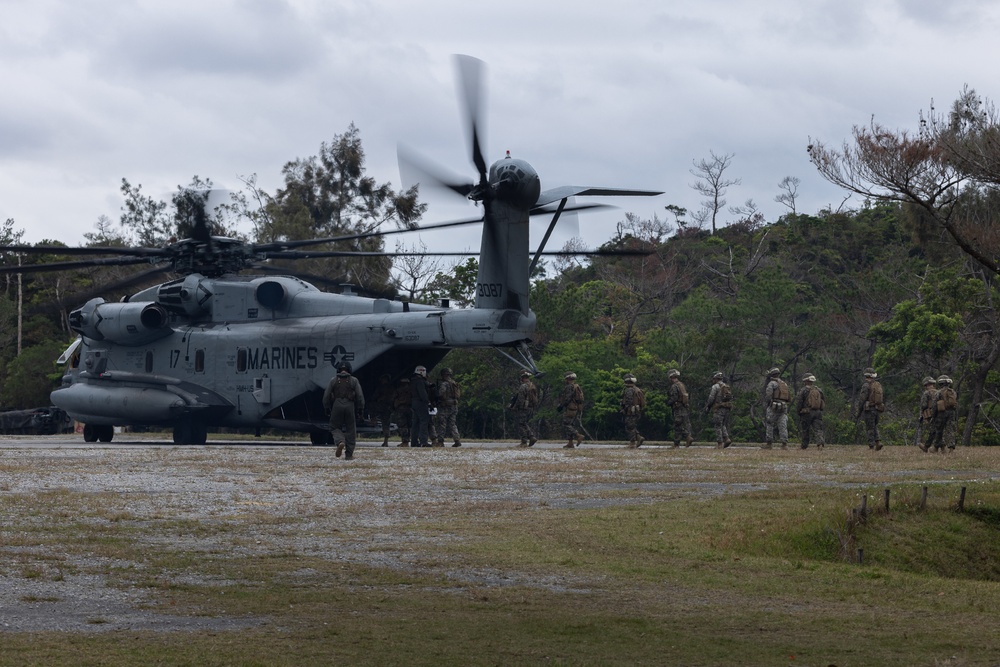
x,y
470,83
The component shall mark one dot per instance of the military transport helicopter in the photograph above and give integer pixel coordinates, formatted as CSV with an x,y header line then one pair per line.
x,y
214,348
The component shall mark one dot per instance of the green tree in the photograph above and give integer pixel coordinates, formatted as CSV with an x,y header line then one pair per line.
x,y
329,195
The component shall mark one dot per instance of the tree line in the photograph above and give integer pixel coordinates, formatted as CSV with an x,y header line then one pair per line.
x,y
904,283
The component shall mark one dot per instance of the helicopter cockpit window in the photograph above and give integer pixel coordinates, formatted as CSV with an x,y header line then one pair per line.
x,y
199,361
241,360
149,361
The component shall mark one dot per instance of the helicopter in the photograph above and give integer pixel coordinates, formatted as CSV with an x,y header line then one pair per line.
x,y
214,348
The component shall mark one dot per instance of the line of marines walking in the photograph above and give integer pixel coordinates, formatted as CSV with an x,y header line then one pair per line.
x,y
426,413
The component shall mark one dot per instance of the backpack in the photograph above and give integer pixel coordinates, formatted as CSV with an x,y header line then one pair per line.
x,y
782,393
947,399
814,399
725,394
683,394
876,397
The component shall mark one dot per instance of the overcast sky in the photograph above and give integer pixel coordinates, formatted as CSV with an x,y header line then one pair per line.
x,y
625,94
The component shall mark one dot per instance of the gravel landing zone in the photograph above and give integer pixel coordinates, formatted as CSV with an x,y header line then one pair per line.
x,y
261,499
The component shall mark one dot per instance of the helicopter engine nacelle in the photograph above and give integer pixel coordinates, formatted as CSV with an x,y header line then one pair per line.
x,y
123,323
189,296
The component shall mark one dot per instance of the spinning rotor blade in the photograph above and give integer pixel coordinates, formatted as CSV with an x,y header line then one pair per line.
x,y
555,194
470,83
82,264
320,254
95,250
277,249
415,170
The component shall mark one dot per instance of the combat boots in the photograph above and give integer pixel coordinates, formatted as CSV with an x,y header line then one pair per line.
x,y
719,445
456,444
677,444
690,441
638,441
568,445
438,443
385,443
767,445
726,442
405,443
579,440
878,445
523,444
531,443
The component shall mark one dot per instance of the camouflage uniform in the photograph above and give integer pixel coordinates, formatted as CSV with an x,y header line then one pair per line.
x,y
448,394
571,406
678,400
720,404
633,402
382,405
420,405
524,403
343,399
776,399
943,420
402,411
927,400
810,419
870,410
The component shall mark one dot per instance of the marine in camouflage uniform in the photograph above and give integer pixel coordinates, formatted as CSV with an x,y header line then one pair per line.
x,y
420,406
944,417
402,411
382,405
524,403
679,402
448,394
344,399
870,406
571,407
633,402
720,404
776,399
927,399
810,418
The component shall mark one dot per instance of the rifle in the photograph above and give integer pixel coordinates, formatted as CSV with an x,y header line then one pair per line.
x,y
920,421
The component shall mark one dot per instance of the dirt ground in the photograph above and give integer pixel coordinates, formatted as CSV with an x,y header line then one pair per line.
x,y
276,498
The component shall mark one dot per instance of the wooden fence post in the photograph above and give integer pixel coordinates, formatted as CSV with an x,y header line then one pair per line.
x,y
961,500
923,498
887,501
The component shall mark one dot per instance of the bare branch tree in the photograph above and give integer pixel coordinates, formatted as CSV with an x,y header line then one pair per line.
x,y
789,187
712,185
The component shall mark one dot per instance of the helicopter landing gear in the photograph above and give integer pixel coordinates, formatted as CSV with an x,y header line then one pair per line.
x,y
95,432
189,432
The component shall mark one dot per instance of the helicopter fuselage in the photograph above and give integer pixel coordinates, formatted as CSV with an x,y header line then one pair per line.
x,y
252,352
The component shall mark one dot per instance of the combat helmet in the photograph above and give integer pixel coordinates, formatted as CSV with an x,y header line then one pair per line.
x,y
717,375
944,379
927,380
420,370
808,377
628,379
774,371
445,371
570,375
526,374
870,373
673,373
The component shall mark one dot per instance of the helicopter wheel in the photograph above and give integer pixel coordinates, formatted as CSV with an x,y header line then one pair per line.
x,y
105,433
89,433
188,432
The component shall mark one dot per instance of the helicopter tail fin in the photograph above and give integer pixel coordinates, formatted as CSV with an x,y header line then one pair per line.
x,y
504,261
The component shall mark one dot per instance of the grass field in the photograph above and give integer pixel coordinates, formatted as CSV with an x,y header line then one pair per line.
x,y
485,556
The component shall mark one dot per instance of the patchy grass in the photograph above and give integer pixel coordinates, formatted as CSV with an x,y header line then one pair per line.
x,y
596,556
